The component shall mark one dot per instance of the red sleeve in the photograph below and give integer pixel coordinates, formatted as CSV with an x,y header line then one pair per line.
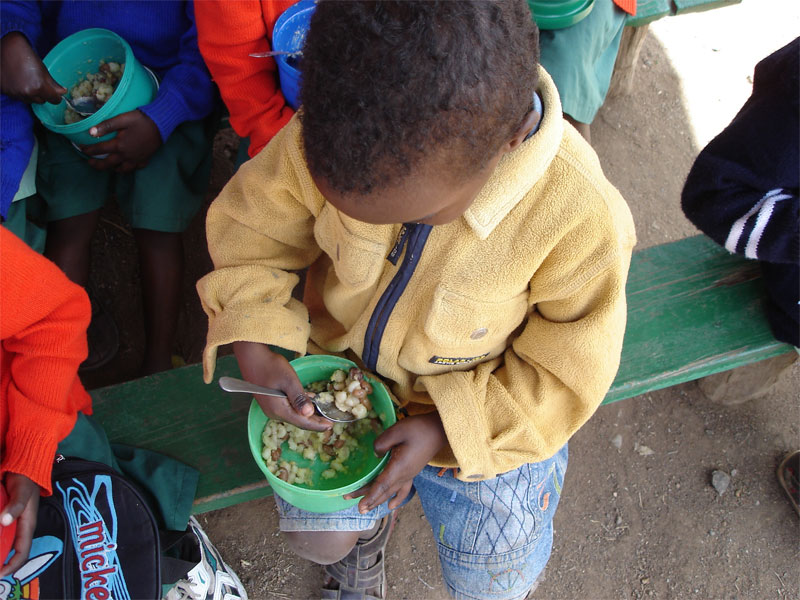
x,y
43,321
228,32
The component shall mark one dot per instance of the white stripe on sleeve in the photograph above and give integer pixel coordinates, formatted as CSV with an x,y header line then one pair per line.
x,y
751,250
738,226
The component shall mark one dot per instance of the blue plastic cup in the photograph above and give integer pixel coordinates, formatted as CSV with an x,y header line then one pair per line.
x,y
289,35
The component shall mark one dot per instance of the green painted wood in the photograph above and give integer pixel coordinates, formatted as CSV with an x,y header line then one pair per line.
x,y
176,414
693,310
686,6
648,11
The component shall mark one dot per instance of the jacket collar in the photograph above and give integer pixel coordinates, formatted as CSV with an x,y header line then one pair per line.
x,y
518,171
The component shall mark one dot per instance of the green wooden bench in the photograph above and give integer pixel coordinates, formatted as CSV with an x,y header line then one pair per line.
x,y
693,310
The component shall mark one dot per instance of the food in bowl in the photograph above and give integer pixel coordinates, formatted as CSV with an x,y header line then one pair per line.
x,y
333,447
98,86
348,391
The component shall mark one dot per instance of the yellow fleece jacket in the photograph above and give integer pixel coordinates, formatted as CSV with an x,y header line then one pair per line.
x,y
511,325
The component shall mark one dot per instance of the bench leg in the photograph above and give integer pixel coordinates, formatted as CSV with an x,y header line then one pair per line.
x,y
627,58
748,382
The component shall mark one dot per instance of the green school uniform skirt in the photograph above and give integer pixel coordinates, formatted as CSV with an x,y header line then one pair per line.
x,y
163,196
580,59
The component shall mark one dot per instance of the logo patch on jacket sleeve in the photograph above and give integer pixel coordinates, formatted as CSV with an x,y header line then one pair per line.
x,y
453,361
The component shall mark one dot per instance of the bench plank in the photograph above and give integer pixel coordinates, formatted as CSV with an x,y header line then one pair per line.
x,y
176,414
693,310
648,11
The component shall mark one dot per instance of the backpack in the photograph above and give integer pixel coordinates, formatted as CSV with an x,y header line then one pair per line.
x,y
96,538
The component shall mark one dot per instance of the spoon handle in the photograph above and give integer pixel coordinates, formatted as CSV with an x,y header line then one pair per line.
x,y
276,53
231,384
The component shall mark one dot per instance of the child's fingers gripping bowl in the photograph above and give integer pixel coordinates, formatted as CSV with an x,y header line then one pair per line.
x,y
324,493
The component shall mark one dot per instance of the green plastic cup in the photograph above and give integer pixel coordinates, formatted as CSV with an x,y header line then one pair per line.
x,y
72,58
324,495
558,14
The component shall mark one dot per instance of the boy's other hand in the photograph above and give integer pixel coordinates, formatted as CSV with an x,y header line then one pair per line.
x,y
22,73
23,504
414,441
136,141
262,366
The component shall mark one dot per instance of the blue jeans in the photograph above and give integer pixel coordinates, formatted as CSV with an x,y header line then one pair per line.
x,y
494,537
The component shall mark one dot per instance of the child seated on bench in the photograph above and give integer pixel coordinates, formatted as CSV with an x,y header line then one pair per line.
x,y
463,244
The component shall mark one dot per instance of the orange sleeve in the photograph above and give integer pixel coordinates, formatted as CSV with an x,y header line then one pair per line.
x,y
228,32
629,6
43,321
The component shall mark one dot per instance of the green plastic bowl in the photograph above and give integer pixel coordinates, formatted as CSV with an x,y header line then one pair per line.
x,y
558,14
75,56
362,466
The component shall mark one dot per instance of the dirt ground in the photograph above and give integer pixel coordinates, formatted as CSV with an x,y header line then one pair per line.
x,y
631,523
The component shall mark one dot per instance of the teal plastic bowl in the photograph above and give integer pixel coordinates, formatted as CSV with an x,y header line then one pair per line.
x,y
75,56
558,14
324,495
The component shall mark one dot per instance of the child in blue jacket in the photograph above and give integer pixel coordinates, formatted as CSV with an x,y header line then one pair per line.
x,y
157,165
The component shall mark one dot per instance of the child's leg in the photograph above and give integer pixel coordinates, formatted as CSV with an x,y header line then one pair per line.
x,y
160,201
322,547
68,244
161,267
73,194
350,544
494,537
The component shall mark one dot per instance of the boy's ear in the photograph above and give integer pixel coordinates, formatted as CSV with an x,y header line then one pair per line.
x,y
523,130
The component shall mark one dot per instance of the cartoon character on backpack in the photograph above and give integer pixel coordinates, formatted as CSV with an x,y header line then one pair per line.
x,y
23,584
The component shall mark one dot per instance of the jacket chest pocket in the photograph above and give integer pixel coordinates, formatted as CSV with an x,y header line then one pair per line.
x,y
356,260
456,321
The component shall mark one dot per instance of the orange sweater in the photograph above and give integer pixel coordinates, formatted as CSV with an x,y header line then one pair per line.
x,y
228,31
43,321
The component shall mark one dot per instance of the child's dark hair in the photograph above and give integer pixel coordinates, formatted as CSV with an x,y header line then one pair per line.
x,y
387,84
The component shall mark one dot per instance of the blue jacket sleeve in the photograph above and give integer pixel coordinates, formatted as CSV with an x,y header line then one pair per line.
x,y
16,120
186,92
25,17
16,145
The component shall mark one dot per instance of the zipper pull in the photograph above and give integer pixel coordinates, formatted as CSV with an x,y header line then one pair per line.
x,y
60,458
397,250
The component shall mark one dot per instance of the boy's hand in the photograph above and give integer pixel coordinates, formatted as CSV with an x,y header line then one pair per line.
x,y
262,366
136,141
414,441
22,73
23,503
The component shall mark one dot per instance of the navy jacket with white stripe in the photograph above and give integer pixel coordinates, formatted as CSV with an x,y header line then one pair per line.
x,y
742,190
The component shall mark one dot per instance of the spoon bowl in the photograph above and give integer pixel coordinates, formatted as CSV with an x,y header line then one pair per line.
x,y
326,409
83,105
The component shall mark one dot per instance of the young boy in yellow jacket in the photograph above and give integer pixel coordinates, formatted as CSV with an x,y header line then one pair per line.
x,y
462,243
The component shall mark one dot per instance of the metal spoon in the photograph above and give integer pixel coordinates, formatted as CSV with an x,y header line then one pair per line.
x,y
85,106
276,53
326,409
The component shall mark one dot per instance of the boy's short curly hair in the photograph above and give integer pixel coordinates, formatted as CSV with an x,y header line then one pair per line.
x,y
387,84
